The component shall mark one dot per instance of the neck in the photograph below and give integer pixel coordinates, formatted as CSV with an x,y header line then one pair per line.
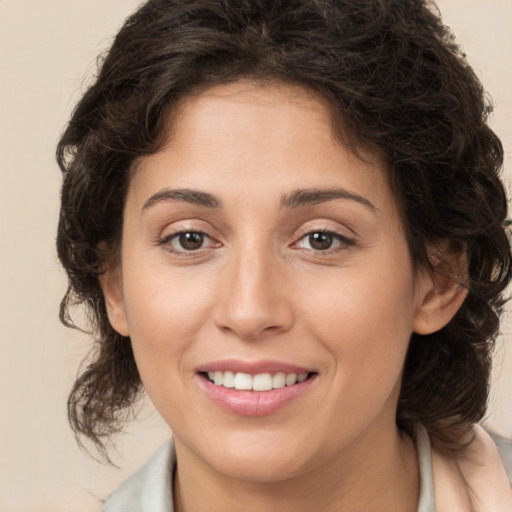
x,y
370,476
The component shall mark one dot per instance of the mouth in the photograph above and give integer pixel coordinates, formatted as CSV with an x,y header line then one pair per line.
x,y
259,382
255,389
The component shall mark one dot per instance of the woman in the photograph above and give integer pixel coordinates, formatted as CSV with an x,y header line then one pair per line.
x,y
286,220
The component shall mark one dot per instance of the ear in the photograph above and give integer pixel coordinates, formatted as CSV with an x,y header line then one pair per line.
x,y
443,288
111,286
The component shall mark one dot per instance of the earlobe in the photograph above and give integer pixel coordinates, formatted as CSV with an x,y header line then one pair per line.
x,y
111,286
443,290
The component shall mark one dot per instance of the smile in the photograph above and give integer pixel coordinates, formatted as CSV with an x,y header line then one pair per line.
x,y
259,382
254,389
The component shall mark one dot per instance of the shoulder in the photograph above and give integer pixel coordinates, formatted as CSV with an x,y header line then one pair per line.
x,y
475,480
483,470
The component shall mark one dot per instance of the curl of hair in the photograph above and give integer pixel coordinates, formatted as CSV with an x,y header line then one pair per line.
x,y
395,80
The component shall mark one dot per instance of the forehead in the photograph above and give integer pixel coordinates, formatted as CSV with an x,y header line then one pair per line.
x,y
262,137
268,101
257,96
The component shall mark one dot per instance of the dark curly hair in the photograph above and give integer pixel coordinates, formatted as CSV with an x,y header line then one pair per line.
x,y
395,81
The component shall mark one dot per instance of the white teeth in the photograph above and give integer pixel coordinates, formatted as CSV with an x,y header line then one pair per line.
x,y
259,382
243,381
262,382
291,379
218,378
229,380
279,380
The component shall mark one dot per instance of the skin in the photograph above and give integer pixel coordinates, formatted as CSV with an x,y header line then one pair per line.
x,y
258,289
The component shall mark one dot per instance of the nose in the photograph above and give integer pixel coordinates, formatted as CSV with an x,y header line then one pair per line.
x,y
254,300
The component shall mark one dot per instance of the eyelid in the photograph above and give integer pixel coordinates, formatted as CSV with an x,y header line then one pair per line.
x,y
184,225
339,233
164,240
175,234
337,236
325,225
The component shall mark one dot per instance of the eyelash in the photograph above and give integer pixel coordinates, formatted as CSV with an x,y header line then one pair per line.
x,y
344,243
168,239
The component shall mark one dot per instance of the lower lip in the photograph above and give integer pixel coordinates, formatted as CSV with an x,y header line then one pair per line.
x,y
254,403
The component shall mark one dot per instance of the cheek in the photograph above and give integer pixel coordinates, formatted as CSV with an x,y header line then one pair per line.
x,y
364,320
165,312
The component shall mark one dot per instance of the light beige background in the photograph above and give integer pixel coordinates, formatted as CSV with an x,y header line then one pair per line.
x,y
47,56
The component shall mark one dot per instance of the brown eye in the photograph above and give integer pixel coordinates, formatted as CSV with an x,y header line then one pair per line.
x,y
190,241
324,241
320,241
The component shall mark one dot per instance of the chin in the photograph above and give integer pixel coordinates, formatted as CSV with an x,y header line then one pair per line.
x,y
258,456
261,467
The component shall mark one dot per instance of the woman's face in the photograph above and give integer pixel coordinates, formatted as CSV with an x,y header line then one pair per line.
x,y
257,250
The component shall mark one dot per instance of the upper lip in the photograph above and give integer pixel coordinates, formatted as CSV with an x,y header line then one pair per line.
x,y
252,367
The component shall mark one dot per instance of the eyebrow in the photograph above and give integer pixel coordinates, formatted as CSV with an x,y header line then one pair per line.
x,y
311,196
185,195
295,199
